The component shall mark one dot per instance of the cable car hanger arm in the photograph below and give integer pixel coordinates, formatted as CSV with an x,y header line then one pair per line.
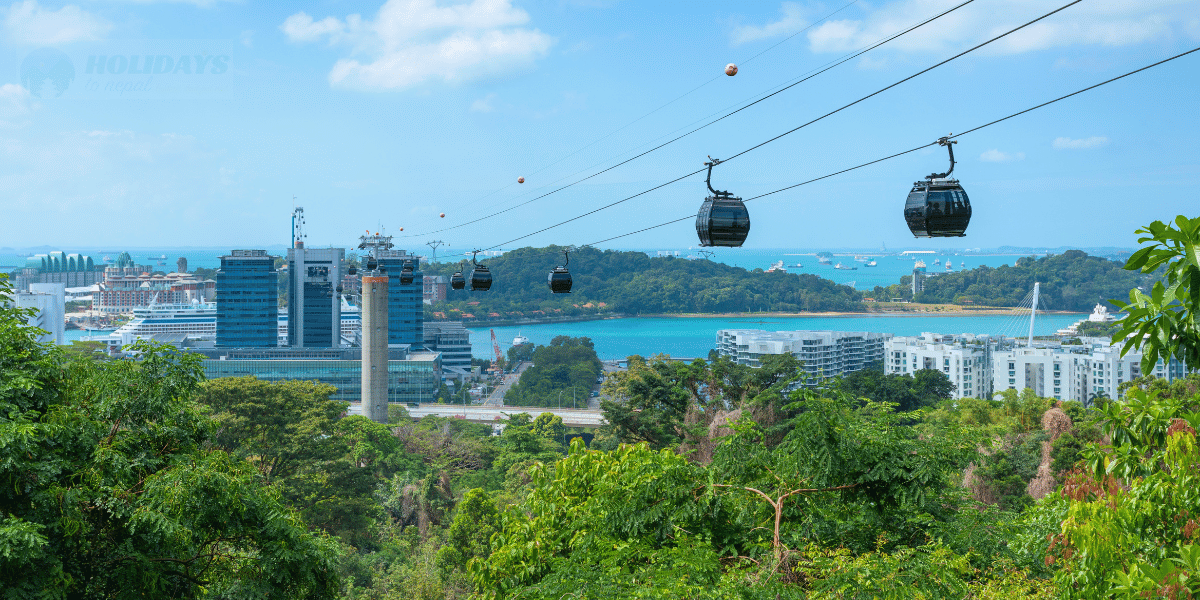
x,y
948,143
708,180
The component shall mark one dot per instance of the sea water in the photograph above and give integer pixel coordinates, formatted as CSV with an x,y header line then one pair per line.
x,y
694,336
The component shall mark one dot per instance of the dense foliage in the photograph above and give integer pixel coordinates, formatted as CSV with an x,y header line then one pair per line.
x,y
1163,324
1072,281
109,487
632,283
563,374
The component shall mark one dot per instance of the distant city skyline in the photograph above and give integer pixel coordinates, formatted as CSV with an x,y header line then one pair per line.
x,y
164,125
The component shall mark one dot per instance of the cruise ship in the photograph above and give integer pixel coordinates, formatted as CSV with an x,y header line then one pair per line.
x,y
198,321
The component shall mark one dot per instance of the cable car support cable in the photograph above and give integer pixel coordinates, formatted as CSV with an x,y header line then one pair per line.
x,y
836,63
921,147
795,129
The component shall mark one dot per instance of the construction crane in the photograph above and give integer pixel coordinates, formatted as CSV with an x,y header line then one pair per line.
x,y
496,347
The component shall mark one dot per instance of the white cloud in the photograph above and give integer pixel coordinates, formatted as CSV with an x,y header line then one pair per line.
x,y
1066,143
791,21
412,41
994,155
300,27
15,104
1099,22
484,104
28,23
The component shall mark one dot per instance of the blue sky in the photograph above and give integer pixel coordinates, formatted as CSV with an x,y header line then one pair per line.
x,y
386,114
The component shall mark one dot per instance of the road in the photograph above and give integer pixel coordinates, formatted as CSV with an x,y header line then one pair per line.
x,y
491,414
497,396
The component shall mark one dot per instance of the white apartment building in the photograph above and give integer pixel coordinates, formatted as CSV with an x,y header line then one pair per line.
x,y
1079,373
824,353
966,360
50,301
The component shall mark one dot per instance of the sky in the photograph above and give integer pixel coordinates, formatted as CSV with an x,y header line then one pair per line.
x,y
143,123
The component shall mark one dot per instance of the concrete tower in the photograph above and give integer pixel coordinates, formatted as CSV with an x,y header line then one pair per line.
x,y
375,346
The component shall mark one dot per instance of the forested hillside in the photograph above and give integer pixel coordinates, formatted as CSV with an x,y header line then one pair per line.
x,y
633,283
1072,281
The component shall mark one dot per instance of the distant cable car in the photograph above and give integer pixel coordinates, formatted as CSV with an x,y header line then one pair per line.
x,y
443,215
559,279
372,264
723,220
406,274
731,69
457,281
520,180
352,271
481,277
938,206
339,289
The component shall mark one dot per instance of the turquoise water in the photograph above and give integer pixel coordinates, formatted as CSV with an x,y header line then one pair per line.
x,y
695,336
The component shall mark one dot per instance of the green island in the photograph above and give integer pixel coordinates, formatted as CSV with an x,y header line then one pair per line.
x,y
628,283
137,478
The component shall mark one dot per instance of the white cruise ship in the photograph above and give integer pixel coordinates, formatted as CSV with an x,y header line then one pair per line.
x,y
199,322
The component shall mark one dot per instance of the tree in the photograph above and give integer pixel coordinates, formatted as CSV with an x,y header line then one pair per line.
x,y
293,433
1163,324
109,486
1134,510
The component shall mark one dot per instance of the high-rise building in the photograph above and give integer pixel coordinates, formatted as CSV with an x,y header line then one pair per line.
x,y
453,341
406,311
314,302
49,299
247,300
966,360
824,353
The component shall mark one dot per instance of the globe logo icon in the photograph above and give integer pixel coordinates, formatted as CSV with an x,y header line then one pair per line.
x,y
47,72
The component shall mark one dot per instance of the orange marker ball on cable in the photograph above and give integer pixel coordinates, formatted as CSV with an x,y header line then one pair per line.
x,y
520,180
731,69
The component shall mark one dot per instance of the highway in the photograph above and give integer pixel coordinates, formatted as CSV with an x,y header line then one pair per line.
x,y
492,414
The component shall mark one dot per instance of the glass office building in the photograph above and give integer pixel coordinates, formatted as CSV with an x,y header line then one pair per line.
x,y
314,297
412,376
247,300
406,312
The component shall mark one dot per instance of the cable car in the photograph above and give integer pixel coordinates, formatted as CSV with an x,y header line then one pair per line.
x,y
559,279
481,277
372,264
457,281
352,271
938,206
723,220
406,274
339,289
